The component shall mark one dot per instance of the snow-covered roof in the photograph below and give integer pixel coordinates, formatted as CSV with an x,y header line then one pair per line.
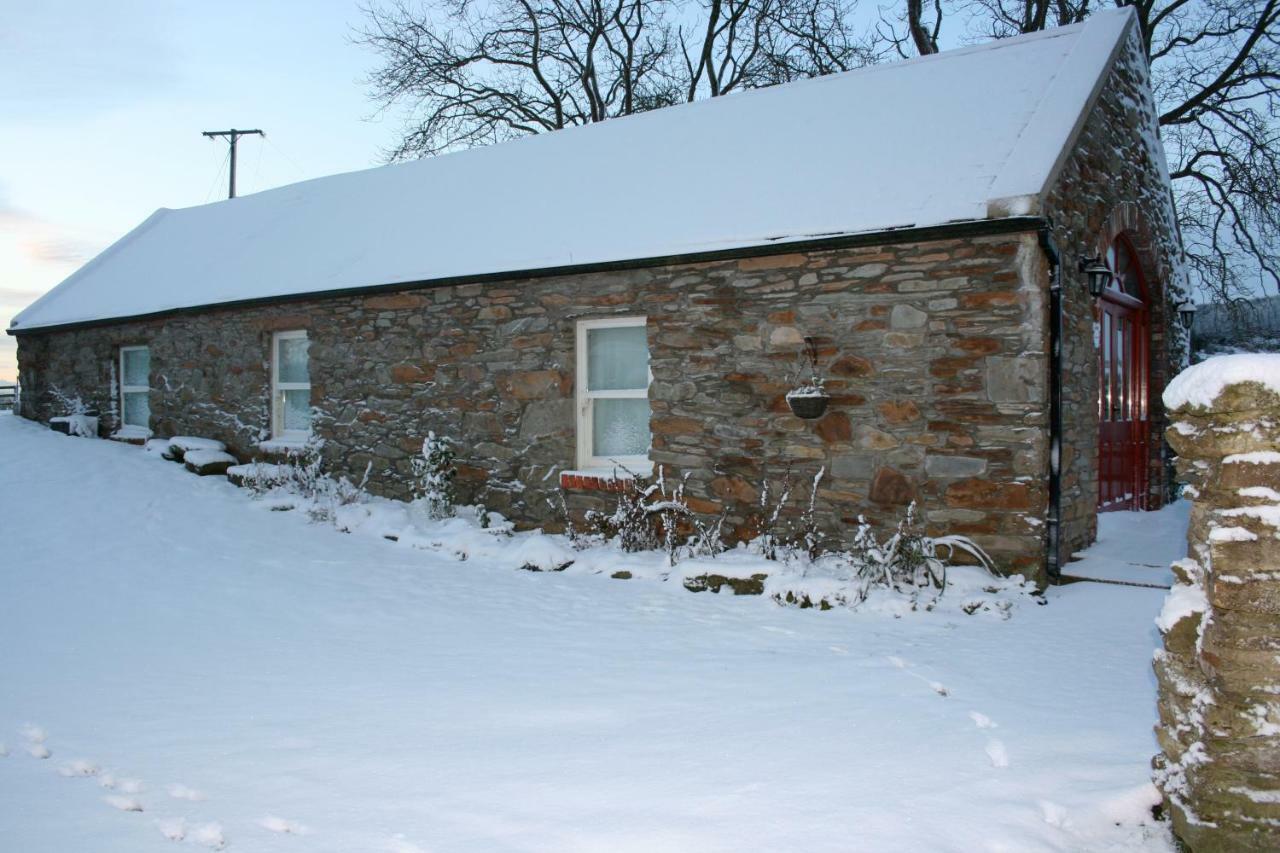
x,y
964,135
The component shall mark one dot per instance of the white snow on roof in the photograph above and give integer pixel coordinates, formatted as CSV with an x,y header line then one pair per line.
x,y
916,143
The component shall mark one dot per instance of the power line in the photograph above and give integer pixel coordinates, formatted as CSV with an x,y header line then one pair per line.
x,y
233,136
218,176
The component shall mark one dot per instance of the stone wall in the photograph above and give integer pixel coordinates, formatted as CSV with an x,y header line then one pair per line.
x,y
935,350
1219,669
1114,182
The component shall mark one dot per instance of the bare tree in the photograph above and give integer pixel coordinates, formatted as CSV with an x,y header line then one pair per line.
x,y
1216,72
467,73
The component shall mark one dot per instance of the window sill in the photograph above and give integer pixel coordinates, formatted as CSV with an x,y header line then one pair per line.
x,y
283,445
610,479
131,435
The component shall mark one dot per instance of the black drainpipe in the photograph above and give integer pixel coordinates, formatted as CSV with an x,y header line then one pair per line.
x,y
1053,523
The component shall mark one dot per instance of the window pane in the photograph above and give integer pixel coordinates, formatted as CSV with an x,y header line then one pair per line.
x,y
293,360
137,367
617,359
620,428
137,409
1105,389
297,411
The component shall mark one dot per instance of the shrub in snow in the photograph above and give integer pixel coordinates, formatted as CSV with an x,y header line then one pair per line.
x,y
433,475
302,475
80,419
908,561
651,515
773,541
72,404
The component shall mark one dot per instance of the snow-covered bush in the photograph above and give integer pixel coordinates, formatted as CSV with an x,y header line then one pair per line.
x,y
260,477
301,476
651,515
768,541
773,540
908,561
433,475
330,494
81,419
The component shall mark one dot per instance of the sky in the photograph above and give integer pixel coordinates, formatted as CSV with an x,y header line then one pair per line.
x,y
102,106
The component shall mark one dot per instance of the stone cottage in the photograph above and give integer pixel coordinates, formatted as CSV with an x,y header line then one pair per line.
x,y
639,293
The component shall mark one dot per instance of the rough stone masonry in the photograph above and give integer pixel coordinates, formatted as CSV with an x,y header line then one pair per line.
x,y
1219,670
934,353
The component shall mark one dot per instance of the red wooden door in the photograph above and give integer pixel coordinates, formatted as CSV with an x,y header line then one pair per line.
x,y
1123,427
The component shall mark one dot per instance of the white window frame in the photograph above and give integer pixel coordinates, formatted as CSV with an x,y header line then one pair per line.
x,y
133,389
587,459
278,432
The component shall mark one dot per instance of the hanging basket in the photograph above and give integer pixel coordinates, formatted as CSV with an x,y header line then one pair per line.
x,y
807,405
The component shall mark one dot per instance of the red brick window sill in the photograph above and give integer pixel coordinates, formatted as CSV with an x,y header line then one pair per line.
x,y
585,481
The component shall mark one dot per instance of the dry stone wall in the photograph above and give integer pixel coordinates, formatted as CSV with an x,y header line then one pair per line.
x,y
1219,668
935,353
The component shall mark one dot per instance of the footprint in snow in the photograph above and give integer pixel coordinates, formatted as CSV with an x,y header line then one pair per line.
x,y
4,751
124,786
208,834
35,738
124,804
279,824
399,845
897,661
79,768
982,721
840,650
174,829
997,753
1054,814
182,792
778,630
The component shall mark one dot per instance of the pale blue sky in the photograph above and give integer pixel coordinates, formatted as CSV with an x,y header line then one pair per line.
x,y
102,105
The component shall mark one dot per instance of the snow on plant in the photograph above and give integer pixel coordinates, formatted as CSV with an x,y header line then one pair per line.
x,y
433,475
579,539
79,421
261,478
72,404
806,380
653,515
767,541
302,476
908,561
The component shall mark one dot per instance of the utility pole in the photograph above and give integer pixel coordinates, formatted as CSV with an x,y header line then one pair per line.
x,y
233,136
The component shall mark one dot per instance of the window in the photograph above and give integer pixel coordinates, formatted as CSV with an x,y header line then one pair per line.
x,y
135,388
613,393
290,387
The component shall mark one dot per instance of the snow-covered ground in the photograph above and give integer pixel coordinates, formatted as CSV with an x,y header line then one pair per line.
x,y
199,668
1135,547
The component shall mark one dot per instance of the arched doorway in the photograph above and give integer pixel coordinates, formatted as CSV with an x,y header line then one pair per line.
x,y
1123,383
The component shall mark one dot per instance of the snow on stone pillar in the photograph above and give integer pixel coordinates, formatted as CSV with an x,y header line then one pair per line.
x,y
1219,670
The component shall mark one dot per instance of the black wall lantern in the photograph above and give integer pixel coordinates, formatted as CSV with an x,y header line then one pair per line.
x,y
1098,275
1187,314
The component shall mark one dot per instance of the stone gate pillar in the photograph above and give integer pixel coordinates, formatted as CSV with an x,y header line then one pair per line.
x,y
1219,669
